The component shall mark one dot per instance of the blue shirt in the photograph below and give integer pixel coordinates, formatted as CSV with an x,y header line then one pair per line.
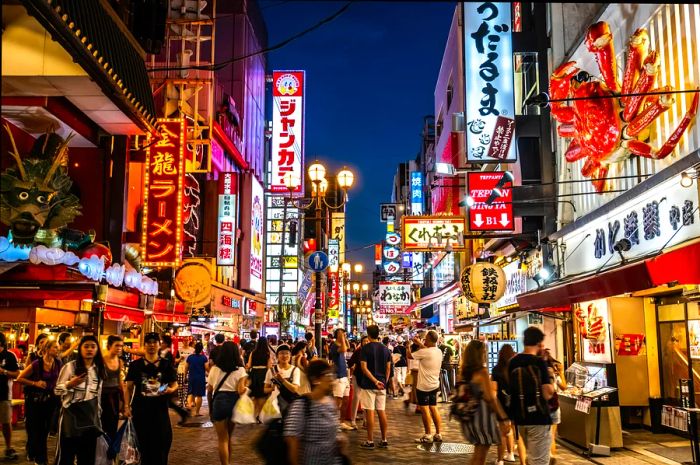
x,y
339,361
377,356
196,366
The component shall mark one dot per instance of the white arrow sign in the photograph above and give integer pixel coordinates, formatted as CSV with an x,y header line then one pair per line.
x,y
504,219
478,221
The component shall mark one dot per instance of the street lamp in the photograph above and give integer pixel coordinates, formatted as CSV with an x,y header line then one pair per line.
x,y
358,268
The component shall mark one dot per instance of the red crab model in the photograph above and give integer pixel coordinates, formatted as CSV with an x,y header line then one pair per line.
x,y
609,130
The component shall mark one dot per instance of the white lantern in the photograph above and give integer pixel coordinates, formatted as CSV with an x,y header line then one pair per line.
x,y
483,282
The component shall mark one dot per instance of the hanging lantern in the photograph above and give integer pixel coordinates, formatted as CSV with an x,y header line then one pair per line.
x,y
483,282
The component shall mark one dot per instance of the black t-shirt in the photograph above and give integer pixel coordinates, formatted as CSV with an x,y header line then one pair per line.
x,y
401,350
8,362
148,379
524,360
447,354
376,356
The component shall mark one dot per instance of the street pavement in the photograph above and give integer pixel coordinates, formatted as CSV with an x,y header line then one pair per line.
x,y
195,444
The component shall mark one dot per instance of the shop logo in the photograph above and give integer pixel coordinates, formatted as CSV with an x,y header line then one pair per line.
x,y
287,84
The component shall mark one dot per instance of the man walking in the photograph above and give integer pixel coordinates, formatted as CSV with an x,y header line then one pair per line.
x,y
530,389
429,359
341,388
9,370
375,361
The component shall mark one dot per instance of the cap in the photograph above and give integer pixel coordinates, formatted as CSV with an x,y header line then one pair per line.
x,y
151,337
282,347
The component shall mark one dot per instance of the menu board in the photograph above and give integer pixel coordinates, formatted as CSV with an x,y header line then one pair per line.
x,y
594,328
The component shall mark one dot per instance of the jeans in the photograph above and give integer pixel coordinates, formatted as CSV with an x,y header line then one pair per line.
x,y
538,441
39,415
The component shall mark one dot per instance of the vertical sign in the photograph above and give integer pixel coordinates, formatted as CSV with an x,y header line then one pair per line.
x,y
334,300
416,192
491,193
287,129
333,253
377,254
161,237
338,232
256,235
226,242
488,65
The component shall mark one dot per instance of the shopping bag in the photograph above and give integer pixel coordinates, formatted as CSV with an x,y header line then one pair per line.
x,y
101,449
271,409
244,411
129,449
115,443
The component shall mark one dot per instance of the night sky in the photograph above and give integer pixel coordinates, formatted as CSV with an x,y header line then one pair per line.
x,y
371,76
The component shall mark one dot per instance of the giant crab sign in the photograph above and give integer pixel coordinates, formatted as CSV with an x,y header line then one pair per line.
x,y
605,123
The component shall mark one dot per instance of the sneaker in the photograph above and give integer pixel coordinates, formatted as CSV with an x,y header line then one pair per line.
x,y
11,454
367,445
384,444
425,439
509,457
438,438
346,427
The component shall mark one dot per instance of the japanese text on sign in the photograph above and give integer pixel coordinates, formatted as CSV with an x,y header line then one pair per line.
x,y
416,192
161,237
226,241
430,233
287,129
394,298
489,211
490,104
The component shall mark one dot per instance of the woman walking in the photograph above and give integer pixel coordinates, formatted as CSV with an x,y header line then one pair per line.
x,y
284,377
556,372
195,368
40,402
481,429
80,382
226,382
499,376
259,362
113,399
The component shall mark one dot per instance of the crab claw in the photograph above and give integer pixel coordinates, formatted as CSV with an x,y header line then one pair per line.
x,y
644,83
636,53
599,41
659,104
598,174
647,151
559,88
574,151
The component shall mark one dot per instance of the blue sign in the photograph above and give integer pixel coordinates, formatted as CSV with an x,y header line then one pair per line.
x,y
407,260
305,287
318,261
416,192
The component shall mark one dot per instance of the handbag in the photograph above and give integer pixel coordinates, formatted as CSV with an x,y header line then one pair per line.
x,y
82,419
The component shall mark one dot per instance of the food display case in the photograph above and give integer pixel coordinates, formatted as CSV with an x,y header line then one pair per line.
x,y
591,391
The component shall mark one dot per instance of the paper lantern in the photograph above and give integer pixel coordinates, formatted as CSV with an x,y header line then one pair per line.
x,y
133,279
114,275
483,282
92,267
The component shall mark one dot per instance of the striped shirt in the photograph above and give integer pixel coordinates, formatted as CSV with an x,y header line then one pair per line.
x,y
316,429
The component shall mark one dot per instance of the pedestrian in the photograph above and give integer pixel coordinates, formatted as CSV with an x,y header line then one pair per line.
x,y
412,378
310,428
249,346
530,389
400,364
356,375
40,403
556,373
376,366
113,399
38,345
446,372
482,429
218,341
80,382
259,361
226,382
391,386
311,351
284,377
299,361
196,369
185,351
429,359
150,382
499,375
341,387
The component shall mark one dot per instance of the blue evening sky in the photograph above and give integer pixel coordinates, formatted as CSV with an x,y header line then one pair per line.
x,y
371,76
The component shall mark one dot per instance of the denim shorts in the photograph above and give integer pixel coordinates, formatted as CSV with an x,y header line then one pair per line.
x,y
222,405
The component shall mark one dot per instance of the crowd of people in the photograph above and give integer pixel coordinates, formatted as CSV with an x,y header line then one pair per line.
x,y
80,392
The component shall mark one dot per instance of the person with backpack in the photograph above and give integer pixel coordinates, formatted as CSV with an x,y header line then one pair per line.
x,y
476,405
310,427
530,390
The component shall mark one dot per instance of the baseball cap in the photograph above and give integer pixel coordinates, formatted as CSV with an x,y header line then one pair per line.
x,y
151,337
282,347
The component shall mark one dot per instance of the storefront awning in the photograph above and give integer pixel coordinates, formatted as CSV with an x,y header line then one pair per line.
x,y
681,265
448,292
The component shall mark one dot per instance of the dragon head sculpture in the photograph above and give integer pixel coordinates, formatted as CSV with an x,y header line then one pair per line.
x,y
35,197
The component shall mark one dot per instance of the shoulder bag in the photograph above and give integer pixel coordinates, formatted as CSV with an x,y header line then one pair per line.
x,y
82,419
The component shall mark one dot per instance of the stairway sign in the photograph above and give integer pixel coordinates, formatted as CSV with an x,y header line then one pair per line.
x,y
496,214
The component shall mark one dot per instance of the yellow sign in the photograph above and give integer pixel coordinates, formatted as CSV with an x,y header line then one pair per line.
x,y
291,262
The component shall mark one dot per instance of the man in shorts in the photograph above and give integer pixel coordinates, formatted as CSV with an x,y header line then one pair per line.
x,y
9,370
429,359
375,360
341,388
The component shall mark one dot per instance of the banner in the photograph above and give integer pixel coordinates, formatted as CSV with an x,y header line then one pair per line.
x,y
287,129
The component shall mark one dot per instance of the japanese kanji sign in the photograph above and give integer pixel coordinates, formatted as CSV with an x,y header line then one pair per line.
x,y
433,233
226,242
498,214
488,63
161,238
394,298
416,192
334,295
287,129
333,253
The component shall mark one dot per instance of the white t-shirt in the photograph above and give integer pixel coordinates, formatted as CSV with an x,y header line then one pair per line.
x,y
296,377
184,353
429,363
231,383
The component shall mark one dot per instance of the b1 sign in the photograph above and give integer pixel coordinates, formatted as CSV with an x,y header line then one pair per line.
x,y
287,129
498,216
488,63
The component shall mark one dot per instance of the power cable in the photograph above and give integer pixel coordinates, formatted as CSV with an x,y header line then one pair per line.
x,y
223,64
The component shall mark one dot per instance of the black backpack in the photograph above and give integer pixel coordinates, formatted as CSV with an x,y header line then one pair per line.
x,y
526,400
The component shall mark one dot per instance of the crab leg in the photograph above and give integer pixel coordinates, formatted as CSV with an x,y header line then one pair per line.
x,y
566,130
600,180
637,52
599,41
575,151
659,104
559,88
645,150
644,83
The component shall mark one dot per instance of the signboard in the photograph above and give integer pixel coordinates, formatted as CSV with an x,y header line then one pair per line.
x,y
256,236
377,254
633,344
334,295
407,260
433,233
318,261
594,327
694,336
498,215
488,63
394,298
161,238
338,232
516,283
387,212
663,216
391,253
288,89
333,253
416,193
226,238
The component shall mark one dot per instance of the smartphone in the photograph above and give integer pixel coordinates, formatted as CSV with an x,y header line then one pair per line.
x,y
80,371
162,388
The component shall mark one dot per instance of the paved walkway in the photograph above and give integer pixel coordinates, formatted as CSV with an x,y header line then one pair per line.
x,y
195,444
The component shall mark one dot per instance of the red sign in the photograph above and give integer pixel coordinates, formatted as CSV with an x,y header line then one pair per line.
x,y
226,240
161,238
287,129
335,291
630,344
496,215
